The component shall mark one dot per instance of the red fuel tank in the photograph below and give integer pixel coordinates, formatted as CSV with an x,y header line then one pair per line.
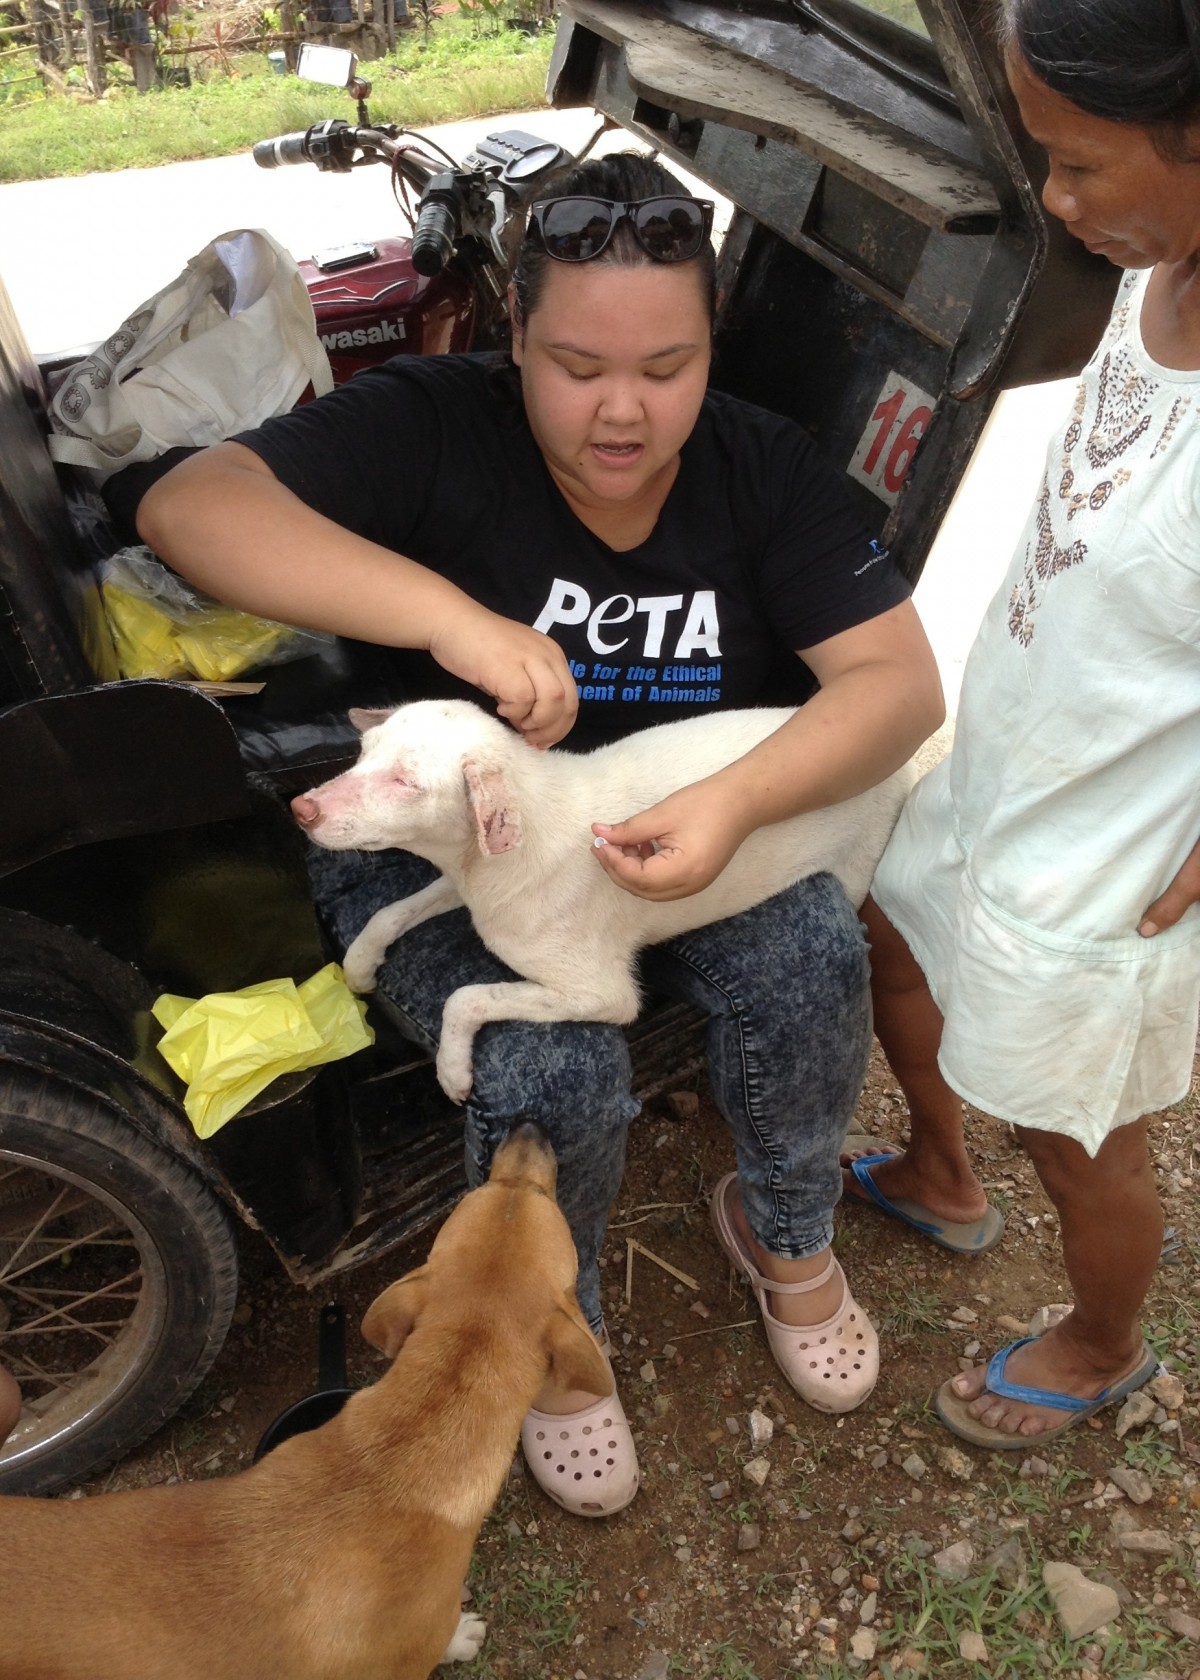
x,y
371,304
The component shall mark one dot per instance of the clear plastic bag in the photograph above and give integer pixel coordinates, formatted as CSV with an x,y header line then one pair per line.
x,y
162,627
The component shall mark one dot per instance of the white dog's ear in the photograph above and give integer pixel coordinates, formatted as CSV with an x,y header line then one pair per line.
x,y
497,820
365,717
390,1318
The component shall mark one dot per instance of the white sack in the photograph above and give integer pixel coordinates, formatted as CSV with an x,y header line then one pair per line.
x,y
229,343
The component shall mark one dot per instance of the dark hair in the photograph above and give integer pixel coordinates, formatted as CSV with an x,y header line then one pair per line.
x,y
1129,61
624,177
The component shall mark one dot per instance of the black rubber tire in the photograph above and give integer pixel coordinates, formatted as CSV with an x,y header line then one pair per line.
x,y
178,1241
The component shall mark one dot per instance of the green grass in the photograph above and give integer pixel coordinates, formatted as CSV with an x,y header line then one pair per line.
x,y
913,1312
1024,1641
460,72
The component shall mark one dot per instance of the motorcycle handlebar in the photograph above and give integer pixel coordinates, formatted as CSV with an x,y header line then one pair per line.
x,y
433,237
284,148
333,144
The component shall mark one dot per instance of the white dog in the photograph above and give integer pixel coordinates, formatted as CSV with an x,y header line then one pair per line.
x,y
510,829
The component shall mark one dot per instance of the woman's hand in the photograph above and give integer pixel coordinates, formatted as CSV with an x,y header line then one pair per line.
x,y
1183,892
525,672
676,848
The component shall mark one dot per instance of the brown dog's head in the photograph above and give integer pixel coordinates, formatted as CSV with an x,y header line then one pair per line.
x,y
505,1255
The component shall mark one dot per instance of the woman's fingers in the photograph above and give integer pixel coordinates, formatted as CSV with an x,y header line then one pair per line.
x,y
672,850
1183,892
544,706
525,672
646,873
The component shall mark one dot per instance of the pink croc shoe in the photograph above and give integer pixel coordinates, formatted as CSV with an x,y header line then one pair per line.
x,y
586,1461
833,1365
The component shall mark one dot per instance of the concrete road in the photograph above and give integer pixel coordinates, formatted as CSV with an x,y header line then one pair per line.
x,y
78,254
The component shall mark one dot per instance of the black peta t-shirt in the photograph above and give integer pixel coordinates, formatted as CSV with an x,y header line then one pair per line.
x,y
757,550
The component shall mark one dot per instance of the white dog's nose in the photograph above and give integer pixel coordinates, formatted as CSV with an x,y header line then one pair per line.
x,y
305,810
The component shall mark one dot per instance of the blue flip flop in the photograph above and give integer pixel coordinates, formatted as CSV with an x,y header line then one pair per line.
x,y
955,1412
976,1236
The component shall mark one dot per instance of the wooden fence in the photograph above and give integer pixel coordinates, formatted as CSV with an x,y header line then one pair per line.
x,y
50,37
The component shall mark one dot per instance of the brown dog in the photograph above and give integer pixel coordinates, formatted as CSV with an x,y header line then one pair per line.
x,y
341,1555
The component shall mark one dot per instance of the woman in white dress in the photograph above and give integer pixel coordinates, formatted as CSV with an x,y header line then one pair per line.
x,y
1035,925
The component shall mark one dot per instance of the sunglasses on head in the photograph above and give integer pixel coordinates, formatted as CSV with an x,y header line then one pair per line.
x,y
671,228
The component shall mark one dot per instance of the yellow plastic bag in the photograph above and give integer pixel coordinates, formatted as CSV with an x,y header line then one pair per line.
x,y
229,1046
162,627
216,646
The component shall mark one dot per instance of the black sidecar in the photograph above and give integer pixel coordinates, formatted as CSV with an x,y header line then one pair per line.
x,y
887,272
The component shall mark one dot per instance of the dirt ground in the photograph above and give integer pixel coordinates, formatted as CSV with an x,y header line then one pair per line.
x,y
873,1547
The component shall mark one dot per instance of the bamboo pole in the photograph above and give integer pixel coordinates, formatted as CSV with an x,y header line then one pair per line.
x,y
93,51
240,45
43,30
67,24
287,19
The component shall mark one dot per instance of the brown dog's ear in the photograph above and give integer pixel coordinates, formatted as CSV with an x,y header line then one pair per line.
x,y
391,1316
497,821
575,1359
365,717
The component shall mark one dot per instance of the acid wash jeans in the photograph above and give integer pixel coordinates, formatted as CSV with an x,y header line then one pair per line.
x,y
785,988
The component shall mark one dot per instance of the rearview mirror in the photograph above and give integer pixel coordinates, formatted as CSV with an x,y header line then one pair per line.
x,y
331,66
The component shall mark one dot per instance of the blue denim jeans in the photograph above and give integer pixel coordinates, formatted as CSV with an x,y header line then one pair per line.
x,y
785,988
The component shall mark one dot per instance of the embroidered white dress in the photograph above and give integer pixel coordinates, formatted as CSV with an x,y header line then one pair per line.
x,y
1022,865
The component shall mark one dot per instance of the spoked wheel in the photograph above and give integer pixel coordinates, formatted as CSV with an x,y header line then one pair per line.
x,y
118,1277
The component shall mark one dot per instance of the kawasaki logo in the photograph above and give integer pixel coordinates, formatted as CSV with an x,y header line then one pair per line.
x,y
383,332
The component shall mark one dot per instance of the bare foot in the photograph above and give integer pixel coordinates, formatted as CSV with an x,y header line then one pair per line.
x,y
10,1402
814,1306
950,1193
561,1402
1054,1361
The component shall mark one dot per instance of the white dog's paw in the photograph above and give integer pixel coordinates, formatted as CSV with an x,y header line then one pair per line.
x,y
360,965
467,1640
455,1070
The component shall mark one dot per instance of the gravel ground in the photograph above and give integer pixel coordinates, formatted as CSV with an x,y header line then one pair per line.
x,y
864,1545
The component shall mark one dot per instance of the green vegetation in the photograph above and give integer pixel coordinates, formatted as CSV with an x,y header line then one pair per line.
x,y
912,1312
456,72
1023,1640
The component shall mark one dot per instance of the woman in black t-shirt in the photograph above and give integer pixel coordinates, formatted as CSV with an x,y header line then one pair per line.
x,y
644,536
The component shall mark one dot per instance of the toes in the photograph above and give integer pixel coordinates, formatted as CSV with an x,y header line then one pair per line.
x,y
860,1154
992,1412
968,1385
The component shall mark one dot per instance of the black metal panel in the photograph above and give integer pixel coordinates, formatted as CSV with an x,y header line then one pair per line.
x,y
292,1160
829,384
211,908
128,758
53,635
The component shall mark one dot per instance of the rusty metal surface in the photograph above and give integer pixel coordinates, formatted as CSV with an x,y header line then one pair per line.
x,y
709,77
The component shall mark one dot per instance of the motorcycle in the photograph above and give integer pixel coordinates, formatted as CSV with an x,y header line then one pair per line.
x,y
444,287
